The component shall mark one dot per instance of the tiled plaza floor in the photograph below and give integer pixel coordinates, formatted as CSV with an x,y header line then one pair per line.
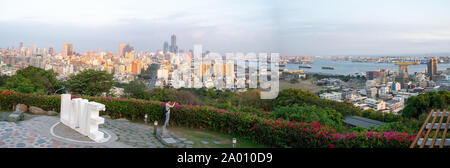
x,y
34,132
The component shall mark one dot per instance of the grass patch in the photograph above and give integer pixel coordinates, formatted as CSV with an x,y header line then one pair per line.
x,y
199,135
306,85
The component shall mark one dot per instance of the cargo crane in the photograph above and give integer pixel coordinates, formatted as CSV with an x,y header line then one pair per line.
x,y
402,77
406,63
403,65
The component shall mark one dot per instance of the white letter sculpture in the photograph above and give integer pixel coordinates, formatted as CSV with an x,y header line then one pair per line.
x,y
82,116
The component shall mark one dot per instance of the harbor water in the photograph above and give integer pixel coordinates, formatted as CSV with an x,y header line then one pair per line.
x,y
351,68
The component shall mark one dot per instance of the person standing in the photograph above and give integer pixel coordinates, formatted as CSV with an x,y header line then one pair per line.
x,y
166,123
168,106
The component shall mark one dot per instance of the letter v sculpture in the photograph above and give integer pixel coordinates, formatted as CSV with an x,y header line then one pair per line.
x,y
82,116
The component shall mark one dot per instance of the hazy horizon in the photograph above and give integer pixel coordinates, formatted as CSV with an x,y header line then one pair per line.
x,y
305,27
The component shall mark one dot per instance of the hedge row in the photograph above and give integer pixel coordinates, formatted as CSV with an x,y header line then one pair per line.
x,y
275,133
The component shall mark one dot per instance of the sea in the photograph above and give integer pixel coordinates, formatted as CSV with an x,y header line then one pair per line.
x,y
351,68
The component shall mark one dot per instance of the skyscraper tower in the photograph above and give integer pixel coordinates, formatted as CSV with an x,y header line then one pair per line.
x,y
67,50
134,68
432,68
128,48
173,44
44,52
20,48
33,50
121,47
50,50
402,76
166,47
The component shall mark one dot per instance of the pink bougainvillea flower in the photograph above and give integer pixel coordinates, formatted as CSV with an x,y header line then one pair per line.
x,y
178,106
331,146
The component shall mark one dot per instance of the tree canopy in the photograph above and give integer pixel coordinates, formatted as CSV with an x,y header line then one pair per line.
x,y
423,103
33,80
90,82
136,89
289,97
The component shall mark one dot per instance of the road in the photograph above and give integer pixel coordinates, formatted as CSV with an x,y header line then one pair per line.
x,y
151,85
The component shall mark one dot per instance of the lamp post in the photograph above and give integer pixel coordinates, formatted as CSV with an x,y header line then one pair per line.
x,y
145,118
155,128
234,142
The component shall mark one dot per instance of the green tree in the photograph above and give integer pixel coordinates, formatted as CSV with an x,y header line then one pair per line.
x,y
34,80
324,116
3,79
150,72
90,82
159,94
21,84
211,93
423,103
136,89
290,97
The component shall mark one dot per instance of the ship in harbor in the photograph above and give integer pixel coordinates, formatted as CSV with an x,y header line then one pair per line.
x,y
328,67
305,66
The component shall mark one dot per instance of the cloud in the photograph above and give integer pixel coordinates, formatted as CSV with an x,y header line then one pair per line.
x,y
323,27
434,36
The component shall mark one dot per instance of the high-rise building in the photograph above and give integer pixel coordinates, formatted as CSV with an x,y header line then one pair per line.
x,y
402,76
372,92
90,53
121,48
33,50
371,75
130,55
127,49
50,50
67,50
166,47
134,67
173,44
396,86
432,68
21,46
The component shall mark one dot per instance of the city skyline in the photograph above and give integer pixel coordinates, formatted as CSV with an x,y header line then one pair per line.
x,y
290,28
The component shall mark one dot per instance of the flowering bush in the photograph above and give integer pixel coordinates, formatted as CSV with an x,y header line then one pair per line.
x,y
276,133
9,99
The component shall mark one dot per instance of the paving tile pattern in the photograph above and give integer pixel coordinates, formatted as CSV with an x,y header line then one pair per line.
x,y
20,135
34,133
133,134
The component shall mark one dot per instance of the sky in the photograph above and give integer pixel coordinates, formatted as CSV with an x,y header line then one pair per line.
x,y
289,27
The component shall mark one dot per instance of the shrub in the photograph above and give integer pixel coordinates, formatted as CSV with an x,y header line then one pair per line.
x,y
276,133
33,80
9,99
135,89
90,82
326,116
185,97
423,103
290,97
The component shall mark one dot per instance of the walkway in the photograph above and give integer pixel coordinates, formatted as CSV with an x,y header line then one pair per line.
x,y
34,132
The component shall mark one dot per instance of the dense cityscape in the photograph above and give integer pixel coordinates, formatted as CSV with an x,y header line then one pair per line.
x,y
225,74
384,90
